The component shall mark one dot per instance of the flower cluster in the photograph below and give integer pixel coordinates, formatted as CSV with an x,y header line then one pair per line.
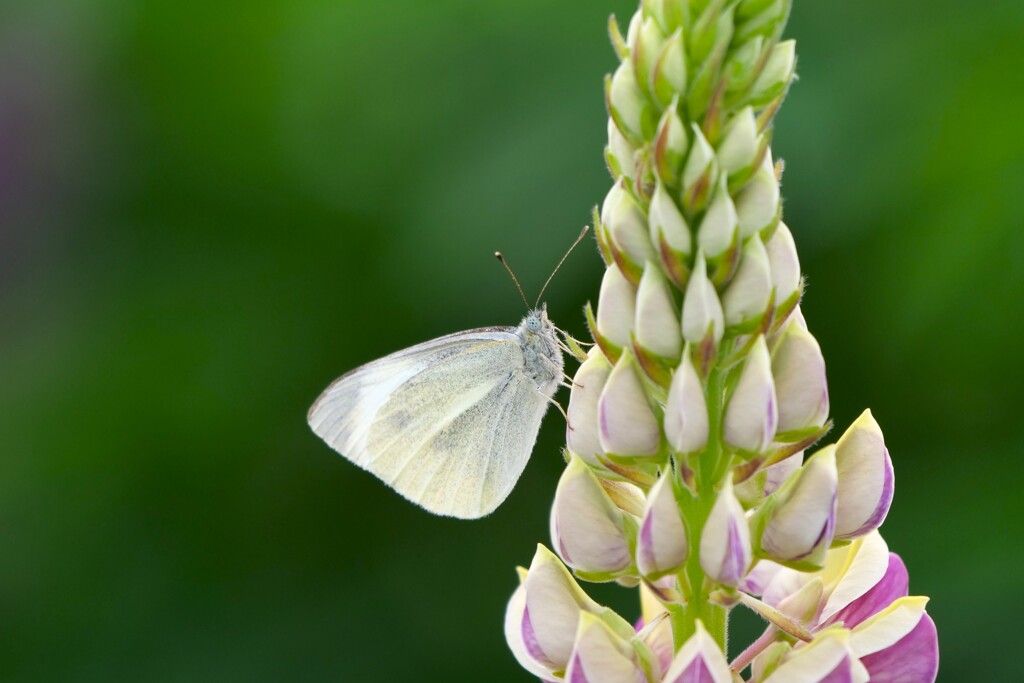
x,y
693,466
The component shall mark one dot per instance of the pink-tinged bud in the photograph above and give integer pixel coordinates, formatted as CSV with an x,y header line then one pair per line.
x,y
725,540
581,435
627,425
601,656
800,384
616,307
661,544
620,152
738,149
669,77
702,311
747,297
865,478
795,526
751,417
543,613
626,223
667,222
587,529
657,322
757,205
776,75
717,230
626,100
829,658
785,267
686,410
700,660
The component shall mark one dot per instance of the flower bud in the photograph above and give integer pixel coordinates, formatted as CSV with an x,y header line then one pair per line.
x,y
776,75
542,615
796,525
626,101
616,309
669,77
667,222
620,152
686,409
670,146
601,656
626,223
702,311
767,480
717,230
865,478
628,426
587,529
757,205
581,434
700,660
800,385
699,171
645,51
829,657
748,295
657,322
661,545
725,541
740,69
751,417
738,149
785,267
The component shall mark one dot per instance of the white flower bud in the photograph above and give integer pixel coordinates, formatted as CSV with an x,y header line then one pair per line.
x,y
616,309
669,77
700,162
785,265
627,225
620,150
797,526
670,146
628,426
661,545
626,99
581,435
865,478
751,417
686,410
738,149
757,204
718,228
800,385
725,552
645,51
601,656
700,660
587,529
747,297
657,322
702,311
542,616
777,74
667,222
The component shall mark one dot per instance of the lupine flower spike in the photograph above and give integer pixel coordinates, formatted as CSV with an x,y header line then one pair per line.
x,y
694,470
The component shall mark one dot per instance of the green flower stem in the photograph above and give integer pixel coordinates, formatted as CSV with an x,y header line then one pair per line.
x,y
696,510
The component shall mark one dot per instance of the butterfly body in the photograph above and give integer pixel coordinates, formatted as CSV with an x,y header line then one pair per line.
x,y
450,423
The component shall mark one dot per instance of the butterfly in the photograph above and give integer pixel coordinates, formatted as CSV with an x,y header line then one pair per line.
x,y
450,423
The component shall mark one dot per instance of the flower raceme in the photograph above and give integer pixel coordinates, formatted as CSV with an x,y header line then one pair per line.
x,y
694,471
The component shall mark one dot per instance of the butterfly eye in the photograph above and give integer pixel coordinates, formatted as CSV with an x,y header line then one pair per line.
x,y
533,324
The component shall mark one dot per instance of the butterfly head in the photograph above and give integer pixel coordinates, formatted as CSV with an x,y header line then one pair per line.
x,y
537,321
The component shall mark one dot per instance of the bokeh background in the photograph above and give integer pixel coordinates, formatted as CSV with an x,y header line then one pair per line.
x,y
209,210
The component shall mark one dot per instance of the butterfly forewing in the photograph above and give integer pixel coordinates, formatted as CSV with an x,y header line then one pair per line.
x,y
449,424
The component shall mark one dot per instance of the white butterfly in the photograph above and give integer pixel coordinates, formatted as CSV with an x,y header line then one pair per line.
x,y
450,423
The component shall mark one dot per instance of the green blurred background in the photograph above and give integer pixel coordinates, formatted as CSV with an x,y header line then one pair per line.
x,y
209,210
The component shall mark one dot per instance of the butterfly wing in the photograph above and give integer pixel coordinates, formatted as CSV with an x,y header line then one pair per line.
x,y
449,424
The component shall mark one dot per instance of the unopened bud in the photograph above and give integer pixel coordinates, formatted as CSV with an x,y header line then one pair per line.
x,y
581,434
757,205
748,295
717,230
667,222
777,74
628,426
740,145
686,410
620,152
865,478
657,321
601,656
700,660
661,544
725,552
785,267
626,101
669,77
702,311
627,226
751,418
699,171
800,385
616,308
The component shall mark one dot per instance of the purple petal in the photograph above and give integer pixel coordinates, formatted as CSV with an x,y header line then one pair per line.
x,y
578,676
843,673
912,659
734,565
894,584
530,640
697,672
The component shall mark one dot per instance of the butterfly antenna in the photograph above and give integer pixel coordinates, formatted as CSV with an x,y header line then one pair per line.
x,y
574,245
501,258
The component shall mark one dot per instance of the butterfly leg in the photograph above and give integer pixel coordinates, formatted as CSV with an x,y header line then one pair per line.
x,y
561,410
